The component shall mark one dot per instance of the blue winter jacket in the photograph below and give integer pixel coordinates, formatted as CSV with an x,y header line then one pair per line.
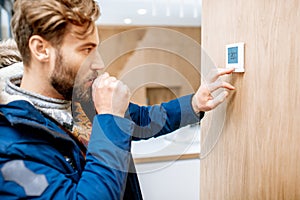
x,y
40,160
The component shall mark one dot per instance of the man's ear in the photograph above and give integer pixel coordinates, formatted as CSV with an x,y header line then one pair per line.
x,y
39,48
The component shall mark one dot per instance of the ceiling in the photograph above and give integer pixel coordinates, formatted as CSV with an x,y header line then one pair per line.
x,y
150,12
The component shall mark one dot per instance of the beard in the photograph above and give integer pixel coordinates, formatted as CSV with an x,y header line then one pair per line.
x,y
62,79
81,93
69,83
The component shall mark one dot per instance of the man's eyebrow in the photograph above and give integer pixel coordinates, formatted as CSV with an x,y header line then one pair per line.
x,y
88,44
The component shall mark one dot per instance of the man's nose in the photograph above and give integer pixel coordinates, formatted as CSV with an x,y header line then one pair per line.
x,y
97,63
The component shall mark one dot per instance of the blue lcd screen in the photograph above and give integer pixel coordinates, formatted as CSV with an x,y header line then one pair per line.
x,y
233,55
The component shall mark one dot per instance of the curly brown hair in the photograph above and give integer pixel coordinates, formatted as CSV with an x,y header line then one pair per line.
x,y
49,19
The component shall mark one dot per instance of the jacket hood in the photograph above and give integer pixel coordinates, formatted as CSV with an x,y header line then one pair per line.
x,y
5,74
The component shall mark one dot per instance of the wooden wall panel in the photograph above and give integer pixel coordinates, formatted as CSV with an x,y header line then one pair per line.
x,y
258,153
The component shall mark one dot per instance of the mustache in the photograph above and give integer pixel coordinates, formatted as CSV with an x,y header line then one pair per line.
x,y
93,76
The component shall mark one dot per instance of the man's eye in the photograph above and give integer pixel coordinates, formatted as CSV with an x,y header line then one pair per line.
x,y
87,50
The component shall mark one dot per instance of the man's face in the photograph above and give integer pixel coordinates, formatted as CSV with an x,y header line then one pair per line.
x,y
76,65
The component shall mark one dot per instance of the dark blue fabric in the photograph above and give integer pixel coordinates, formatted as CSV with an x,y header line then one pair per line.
x,y
27,135
157,120
42,145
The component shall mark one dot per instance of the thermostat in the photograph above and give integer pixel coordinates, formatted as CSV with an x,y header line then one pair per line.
x,y
235,56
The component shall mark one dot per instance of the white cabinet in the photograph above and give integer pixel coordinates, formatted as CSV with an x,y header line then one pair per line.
x,y
178,180
169,167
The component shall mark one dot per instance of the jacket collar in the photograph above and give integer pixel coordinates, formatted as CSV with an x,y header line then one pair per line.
x,y
19,111
22,113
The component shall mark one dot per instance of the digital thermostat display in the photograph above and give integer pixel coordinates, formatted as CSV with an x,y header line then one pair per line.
x,y
235,56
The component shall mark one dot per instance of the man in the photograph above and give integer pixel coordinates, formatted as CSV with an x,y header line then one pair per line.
x,y
42,154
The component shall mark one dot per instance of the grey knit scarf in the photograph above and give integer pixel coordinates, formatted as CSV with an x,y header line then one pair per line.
x,y
58,109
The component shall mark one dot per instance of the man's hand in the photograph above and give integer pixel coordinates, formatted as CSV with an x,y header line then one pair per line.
x,y
203,99
110,96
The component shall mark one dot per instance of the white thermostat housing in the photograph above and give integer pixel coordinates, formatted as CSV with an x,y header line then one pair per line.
x,y
235,56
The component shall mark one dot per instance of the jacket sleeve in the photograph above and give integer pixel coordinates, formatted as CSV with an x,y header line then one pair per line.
x,y
108,157
103,177
157,120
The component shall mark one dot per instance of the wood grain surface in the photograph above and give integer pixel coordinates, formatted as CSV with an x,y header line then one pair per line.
x,y
257,155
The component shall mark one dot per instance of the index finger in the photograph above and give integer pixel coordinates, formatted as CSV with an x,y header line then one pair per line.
x,y
219,72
